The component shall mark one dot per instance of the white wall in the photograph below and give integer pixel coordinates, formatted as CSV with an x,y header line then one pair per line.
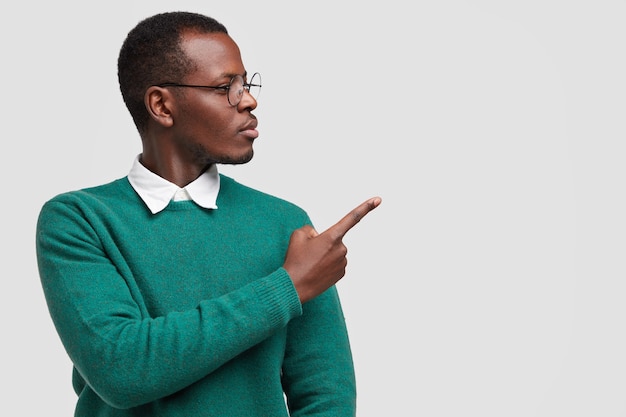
x,y
490,282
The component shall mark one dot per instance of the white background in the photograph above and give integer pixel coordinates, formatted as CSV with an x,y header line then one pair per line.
x,y
490,282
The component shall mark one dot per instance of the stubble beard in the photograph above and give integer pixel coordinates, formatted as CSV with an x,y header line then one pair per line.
x,y
208,159
229,160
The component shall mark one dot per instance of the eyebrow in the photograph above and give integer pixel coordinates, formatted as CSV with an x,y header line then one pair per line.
x,y
231,75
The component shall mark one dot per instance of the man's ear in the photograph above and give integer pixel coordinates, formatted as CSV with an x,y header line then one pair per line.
x,y
158,102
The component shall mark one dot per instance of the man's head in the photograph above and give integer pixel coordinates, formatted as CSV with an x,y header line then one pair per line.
x,y
152,54
189,93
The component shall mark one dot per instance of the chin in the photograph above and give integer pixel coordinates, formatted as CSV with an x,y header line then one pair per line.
x,y
243,159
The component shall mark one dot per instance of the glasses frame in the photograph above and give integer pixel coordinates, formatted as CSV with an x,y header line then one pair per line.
x,y
226,88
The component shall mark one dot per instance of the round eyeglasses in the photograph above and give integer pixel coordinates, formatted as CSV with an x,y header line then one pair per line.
x,y
235,87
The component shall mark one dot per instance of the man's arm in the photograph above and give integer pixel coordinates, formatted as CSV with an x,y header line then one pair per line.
x,y
318,372
127,357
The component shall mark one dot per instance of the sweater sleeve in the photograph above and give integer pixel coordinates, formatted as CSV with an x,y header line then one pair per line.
x,y
318,371
127,357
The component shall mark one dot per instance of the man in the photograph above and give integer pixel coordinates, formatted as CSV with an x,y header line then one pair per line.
x,y
177,291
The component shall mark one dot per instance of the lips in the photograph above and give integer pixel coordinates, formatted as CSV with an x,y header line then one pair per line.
x,y
249,129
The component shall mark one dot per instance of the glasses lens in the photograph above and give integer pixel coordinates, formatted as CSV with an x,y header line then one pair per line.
x,y
235,91
255,85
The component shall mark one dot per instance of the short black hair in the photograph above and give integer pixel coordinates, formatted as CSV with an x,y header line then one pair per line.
x,y
152,54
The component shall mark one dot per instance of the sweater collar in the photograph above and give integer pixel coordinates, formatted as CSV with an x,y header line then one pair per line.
x,y
157,192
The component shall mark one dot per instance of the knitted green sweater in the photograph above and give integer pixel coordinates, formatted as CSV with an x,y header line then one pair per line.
x,y
188,312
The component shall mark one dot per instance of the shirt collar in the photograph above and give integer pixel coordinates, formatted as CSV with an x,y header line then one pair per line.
x,y
157,192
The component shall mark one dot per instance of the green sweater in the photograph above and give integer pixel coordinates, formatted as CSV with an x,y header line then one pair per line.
x,y
188,312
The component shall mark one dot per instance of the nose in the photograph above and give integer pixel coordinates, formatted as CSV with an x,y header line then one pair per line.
x,y
247,101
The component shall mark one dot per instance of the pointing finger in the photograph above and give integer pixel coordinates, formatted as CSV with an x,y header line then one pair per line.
x,y
351,219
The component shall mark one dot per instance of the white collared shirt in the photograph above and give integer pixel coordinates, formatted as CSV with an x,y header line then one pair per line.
x,y
157,192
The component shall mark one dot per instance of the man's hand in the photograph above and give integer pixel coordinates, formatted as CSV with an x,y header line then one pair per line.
x,y
315,261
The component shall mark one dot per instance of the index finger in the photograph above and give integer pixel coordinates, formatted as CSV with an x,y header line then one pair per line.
x,y
339,229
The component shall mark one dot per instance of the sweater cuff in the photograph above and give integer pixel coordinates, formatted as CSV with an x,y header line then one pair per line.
x,y
280,296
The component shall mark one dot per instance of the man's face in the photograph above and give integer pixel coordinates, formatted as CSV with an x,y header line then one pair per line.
x,y
207,129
